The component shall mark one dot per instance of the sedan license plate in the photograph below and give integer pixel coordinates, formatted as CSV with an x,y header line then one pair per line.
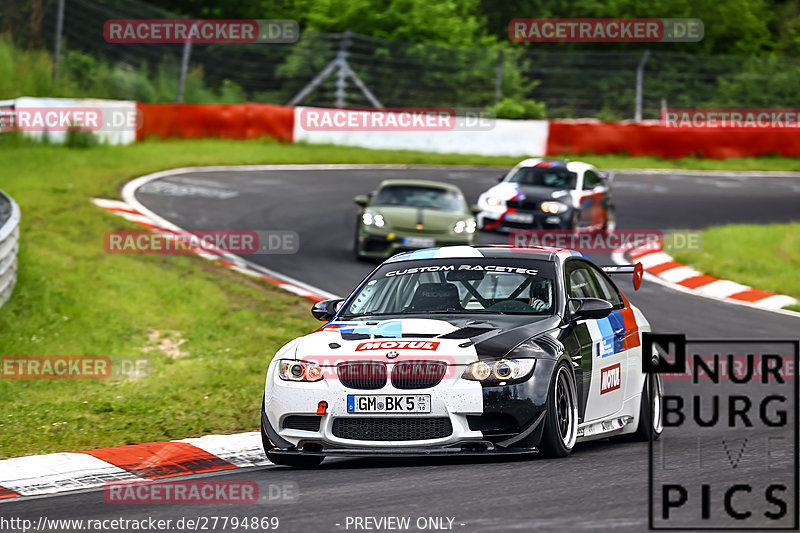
x,y
417,403
419,242
522,218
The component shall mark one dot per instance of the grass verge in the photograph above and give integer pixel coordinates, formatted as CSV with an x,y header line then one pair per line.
x,y
209,332
764,257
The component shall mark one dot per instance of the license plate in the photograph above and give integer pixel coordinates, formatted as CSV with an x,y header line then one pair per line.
x,y
419,242
417,403
522,218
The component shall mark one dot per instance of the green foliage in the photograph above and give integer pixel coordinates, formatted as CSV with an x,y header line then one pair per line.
x,y
513,109
78,138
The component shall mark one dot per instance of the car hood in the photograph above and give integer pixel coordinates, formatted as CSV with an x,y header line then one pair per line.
x,y
407,218
514,191
455,339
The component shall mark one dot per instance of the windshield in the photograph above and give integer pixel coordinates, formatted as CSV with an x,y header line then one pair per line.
x,y
418,196
555,178
455,286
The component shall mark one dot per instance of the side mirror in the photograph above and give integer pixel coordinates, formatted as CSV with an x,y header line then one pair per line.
x,y
326,309
475,209
501,178
592,308
361,200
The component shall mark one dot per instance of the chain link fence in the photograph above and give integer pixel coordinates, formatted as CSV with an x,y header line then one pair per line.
x,y
572,83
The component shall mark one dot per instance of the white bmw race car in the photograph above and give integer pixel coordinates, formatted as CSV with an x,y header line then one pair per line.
x,y
549,194
464,350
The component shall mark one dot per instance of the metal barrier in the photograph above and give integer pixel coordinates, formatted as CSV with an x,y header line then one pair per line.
x,y
9,244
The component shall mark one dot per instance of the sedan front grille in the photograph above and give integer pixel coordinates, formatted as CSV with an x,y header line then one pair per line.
x,y
365,375
524,205
392,429
408,375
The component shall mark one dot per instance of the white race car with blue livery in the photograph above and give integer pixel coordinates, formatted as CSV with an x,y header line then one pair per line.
x,y
465,350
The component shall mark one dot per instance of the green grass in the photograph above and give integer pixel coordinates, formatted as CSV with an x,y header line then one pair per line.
x,y
74,299
763,257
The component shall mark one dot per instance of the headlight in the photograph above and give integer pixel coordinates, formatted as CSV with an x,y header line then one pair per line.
x,y
462,226
500,371
494,201
292,370
553,207
373,219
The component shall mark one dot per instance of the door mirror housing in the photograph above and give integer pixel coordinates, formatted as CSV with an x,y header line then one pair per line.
x,y
326,309
361,200
592,308
501,177
475,209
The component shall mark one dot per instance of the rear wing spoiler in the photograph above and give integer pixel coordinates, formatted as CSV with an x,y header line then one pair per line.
x,y
637,270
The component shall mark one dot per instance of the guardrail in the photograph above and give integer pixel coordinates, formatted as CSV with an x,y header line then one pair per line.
x,y
9,244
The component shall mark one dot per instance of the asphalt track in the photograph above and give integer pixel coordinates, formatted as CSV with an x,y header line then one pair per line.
x,y
601,486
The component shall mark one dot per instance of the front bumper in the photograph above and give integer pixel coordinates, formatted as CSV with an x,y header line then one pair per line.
x,y
477,448
484,420
494,220
453,399
383,244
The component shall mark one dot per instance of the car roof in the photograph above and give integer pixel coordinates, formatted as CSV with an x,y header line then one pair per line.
x,y
573,166
494,251
420,183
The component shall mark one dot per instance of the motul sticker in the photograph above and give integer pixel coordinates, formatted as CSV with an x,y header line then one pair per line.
x,y
398,345
610,378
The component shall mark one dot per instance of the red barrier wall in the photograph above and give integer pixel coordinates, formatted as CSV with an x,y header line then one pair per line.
x,y
592,136
236,121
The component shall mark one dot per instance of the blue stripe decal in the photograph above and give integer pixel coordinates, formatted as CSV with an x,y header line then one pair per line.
x,y
606,347
618,326
427,253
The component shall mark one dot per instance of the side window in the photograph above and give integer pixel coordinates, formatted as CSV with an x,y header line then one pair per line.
x,y
590,180
608,289
580,281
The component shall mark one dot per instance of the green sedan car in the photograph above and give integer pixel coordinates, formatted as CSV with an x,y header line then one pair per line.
x,y
407,215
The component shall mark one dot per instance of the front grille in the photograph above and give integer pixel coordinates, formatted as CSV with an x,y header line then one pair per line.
x,y
365,375
302,422
385,429
524,204
418,374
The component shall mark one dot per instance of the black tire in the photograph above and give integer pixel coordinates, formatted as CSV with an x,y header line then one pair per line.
x,y
651,411
356,250
561,418
574,221
610,223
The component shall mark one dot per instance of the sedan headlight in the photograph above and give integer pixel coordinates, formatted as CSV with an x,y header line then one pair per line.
x,y
494,201
500,371
465,226
370,218
293,370
553,207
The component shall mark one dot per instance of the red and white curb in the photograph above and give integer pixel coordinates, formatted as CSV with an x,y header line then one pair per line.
x,y
59,472
232,261
663,268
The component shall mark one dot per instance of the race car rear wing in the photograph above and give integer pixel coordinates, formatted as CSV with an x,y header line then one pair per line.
x,y
637,270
